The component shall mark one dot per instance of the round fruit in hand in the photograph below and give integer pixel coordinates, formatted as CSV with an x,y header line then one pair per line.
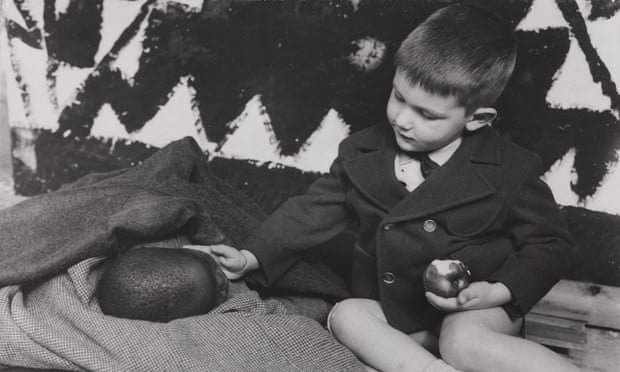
x,y
446,278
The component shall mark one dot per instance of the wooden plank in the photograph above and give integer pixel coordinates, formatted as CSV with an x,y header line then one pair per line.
x,y
557,332
582,321
596,305
602,353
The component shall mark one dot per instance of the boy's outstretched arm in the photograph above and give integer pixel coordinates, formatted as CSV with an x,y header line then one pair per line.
x,y
302,222
235,263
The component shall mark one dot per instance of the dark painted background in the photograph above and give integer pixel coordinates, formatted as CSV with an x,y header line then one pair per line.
x,y
294,54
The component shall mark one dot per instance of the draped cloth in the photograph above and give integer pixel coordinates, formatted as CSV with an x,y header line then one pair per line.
x,y
54,247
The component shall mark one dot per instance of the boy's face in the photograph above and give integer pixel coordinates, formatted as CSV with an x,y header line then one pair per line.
x,y
423,121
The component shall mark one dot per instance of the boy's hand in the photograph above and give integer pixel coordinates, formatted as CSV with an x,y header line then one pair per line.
x,y
479,295
234,263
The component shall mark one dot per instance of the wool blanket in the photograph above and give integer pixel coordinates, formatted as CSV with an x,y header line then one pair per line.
x,y
53,249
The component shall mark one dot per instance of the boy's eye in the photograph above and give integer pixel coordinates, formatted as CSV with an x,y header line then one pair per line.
x,y
428,116
398,97
425,114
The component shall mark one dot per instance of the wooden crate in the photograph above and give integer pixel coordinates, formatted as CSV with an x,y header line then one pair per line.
x,y
582,321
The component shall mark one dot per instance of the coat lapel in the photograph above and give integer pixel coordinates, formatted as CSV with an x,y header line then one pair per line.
x,y
372,172
457,182
373,175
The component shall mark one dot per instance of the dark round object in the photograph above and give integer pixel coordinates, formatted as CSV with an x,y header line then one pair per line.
x,y
161,284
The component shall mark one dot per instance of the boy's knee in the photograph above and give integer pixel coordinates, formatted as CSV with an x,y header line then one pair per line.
x,y
348,313
340,314
470,336
461,342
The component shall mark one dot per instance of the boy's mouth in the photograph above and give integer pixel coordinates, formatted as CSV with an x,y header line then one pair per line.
x,y
406,137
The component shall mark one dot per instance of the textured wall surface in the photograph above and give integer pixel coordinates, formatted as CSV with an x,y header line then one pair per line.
x,y
269,88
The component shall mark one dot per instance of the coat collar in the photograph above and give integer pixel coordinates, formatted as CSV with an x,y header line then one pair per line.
x,y
484,148
456,182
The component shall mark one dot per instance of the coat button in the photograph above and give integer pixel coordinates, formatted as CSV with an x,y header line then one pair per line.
x,y
388,277
430,225
388,226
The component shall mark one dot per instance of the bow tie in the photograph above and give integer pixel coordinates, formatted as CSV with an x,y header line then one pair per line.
x,y
427,165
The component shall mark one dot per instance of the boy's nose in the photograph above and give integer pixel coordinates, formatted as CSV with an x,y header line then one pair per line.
x,y
404,121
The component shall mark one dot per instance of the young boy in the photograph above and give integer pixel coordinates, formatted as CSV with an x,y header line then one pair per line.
x,y
483,204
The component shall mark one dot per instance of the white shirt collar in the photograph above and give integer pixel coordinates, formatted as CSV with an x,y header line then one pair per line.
x,y
441,155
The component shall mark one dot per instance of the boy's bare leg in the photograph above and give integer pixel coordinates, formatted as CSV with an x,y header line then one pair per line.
x,y
427,340
487,340
361,325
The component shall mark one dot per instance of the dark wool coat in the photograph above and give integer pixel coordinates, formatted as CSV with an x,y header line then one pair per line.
x,y
485,206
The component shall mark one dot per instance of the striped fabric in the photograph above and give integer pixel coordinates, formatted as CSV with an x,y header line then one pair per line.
x,y
58,325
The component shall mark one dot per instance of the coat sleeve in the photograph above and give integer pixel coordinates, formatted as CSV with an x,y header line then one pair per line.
x,y
543,247
300,223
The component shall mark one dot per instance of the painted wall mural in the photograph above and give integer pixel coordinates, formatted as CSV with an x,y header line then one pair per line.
x,y
269,88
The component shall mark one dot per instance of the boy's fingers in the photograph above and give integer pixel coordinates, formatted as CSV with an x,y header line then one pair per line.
x,y
442,303
467,301
229,262
217,252
465,296
202,248
461,302
230,275
223,250
229,258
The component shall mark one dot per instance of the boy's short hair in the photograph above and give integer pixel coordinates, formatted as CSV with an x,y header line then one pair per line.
x,y
161,284
461,50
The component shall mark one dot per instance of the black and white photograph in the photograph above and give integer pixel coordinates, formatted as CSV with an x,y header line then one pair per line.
x,y
310,185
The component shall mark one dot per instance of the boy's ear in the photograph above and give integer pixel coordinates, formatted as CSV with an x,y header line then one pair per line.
x,y
481,117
